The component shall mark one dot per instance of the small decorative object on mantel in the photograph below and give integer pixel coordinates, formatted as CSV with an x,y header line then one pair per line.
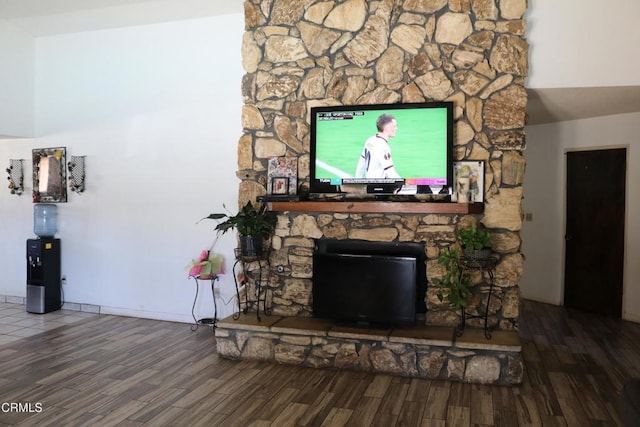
x,y
282,176
76,174
468,182
16,176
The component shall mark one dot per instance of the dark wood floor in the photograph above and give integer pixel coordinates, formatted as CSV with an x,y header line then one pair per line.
x,y
131,372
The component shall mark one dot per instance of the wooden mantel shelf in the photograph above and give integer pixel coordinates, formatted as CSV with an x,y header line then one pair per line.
x,y
378,207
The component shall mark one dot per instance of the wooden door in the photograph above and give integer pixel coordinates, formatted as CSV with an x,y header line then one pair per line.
x,y
595,230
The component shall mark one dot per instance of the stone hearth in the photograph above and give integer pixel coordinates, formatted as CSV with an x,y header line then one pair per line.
x,y
418,351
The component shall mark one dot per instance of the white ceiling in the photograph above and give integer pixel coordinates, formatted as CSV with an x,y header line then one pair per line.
x,y
48,17
564,104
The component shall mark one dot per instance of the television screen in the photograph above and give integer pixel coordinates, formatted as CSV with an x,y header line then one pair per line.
x,y
383,148
375,282
365,288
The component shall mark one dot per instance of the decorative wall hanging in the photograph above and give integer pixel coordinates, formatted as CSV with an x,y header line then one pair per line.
x,y
16,176
49,175
76,174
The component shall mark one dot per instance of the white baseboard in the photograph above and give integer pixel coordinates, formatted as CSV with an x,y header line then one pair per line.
x,y
15,300
92,308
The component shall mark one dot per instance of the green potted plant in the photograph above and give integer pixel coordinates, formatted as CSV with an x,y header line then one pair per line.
x,y
475,242
454,282
253,225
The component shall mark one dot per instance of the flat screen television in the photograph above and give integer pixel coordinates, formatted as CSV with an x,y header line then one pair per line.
x,y
369,283
382,148
365,289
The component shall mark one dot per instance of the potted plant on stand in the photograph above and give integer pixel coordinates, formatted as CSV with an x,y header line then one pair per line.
x,y
476,243
254,225
454,282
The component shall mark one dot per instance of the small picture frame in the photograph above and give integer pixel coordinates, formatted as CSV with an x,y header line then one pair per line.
x,y
280,185
279,168
468,182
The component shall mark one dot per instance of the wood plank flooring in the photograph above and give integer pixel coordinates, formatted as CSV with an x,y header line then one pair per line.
x,y
120,371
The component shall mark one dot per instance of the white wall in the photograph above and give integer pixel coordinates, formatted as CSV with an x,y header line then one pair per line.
x,y
543,238
156,109
577,43
17,55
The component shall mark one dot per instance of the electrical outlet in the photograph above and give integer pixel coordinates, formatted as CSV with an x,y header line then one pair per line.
x,y
63,280
216,293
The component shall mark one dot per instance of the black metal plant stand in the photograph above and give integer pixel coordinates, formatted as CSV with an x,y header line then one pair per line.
x,y
263,271
205,320
482,265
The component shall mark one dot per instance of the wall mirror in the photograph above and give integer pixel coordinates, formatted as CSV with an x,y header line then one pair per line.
x,y
49,175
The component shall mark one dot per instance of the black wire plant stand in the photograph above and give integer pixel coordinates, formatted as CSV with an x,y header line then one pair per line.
x,y
209,321
256,271
482,265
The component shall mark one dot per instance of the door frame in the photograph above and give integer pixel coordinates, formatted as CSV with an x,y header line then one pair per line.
x,y
627,147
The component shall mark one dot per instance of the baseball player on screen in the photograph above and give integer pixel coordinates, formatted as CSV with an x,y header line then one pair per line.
x,y
375,160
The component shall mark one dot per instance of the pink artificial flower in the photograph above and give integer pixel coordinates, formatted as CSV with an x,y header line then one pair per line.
x,y
195,270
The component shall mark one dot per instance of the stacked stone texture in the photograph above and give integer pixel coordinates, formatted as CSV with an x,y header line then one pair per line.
x,y
303,53
395,356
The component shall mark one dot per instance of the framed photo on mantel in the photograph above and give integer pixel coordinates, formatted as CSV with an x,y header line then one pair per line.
x,y
468,182
282,176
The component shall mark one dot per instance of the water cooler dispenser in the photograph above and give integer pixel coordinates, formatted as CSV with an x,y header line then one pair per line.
x,y
43,263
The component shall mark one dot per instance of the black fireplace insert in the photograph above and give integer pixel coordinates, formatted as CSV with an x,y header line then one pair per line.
x,y
369,283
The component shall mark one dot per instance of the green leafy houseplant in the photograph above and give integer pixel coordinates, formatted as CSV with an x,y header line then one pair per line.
x,y
454,281
473,238
253,225
475,242
249,221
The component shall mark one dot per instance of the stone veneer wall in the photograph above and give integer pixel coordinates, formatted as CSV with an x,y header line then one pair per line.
x,y
304,53
424,352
